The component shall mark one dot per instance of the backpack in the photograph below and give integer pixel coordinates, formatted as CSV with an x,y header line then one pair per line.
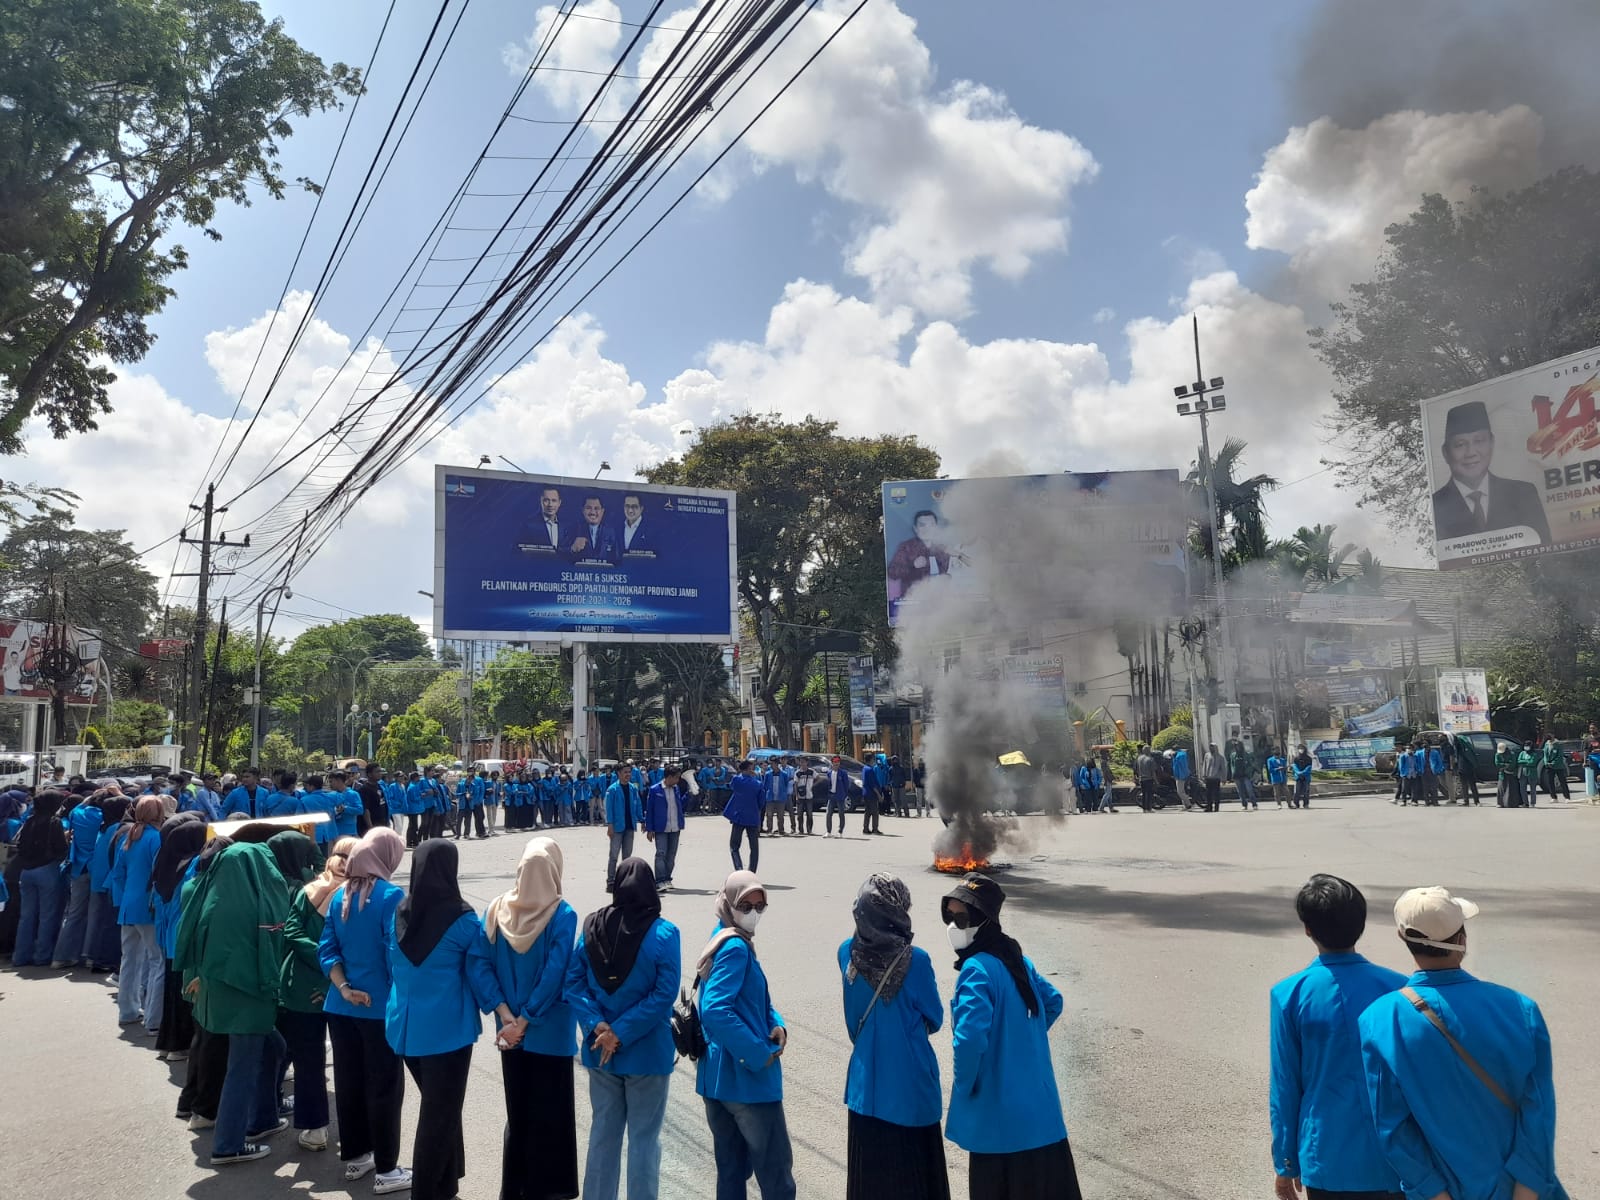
x,y
688,1038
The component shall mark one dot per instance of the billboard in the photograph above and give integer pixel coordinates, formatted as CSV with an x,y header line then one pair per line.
x,y
863,694
1045,681
539,558
1385,716
1463,701
24,647
1134,519
1514,464
1349,690
1349,754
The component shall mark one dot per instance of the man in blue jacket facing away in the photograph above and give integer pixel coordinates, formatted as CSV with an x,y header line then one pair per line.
x,y
624,812
1322,1131
1459,1070
663,822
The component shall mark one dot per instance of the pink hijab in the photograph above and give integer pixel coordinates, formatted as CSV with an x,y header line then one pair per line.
x,y
377,856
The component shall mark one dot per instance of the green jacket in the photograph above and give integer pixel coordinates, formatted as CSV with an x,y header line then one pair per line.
x,y
1552,756
301,984
1505,761
1528,764
230,940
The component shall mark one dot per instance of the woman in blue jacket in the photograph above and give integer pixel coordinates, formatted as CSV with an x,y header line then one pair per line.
x,y
891,1005
740,1077
142,975
519,962
182,838
102,945
1004,1106
621,984
368,1082
433,1015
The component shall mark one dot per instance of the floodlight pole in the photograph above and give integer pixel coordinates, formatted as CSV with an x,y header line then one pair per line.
x,y
580,707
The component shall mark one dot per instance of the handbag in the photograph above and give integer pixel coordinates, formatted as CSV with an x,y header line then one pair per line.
x,y
1421,1005
862,1024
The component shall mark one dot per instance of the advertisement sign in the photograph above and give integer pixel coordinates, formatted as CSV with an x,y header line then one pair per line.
x,y
1045,681
1347,653
1385,716
25,650
863,694
1349,754
1514,464
1463,701
536,558
1129,526
1366,691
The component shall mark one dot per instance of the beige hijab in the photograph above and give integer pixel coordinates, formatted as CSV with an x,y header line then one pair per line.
x,y
321,889
521,914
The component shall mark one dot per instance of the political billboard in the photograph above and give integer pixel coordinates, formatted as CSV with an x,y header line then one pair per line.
x,y
1042,677
1088,538
26,648
863,694
1349,754
1514,464
541,558
1463,701
1385,716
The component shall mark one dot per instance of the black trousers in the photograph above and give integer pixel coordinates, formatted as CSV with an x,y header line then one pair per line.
x,y
202,1082
755,845
439,1153
540,1156
368,1088
869,822
477,820
1469,787
1323,1194
1047,1173
412,833
1213,795
305,1034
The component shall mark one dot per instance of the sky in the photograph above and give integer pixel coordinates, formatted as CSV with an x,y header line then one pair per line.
x,y
988,225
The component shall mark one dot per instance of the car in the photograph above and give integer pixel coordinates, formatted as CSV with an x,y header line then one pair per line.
x,y
1478,750
16,770
817,762
1574,750
129,775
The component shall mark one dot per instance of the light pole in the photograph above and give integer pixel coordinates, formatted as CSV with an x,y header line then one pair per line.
x,y
355,714
255,692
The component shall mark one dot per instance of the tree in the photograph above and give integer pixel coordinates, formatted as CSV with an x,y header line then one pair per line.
x,y
695,678
125,118
1312,555
526,689
279,753
1241,508
136,723
331,666
810,532
1369,574
409,737
96,572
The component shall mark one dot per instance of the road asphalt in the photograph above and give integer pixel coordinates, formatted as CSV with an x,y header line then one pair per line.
x,y
1164,932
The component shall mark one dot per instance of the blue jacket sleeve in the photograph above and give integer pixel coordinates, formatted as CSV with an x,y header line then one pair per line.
x,y
329,951
924,993
719,1014
1400,1138
656,1006
1533,1148
1284,1090
1053,1004
579,998
971,1017
481,976
558,937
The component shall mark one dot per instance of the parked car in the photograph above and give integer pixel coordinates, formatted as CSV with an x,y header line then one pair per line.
x,y
1478,749
818,762
1574,750
16,770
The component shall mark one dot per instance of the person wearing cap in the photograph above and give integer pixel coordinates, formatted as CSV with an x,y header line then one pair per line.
x,y
1322,1134
1005,1110
1475,500
1459,1070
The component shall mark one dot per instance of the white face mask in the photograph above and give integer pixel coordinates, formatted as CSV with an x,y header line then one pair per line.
x,y
960,939
747,921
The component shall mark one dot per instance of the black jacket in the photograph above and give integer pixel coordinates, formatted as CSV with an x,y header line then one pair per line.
x,y
1512,502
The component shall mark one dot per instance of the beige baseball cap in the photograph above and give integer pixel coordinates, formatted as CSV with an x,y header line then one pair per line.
x,y
1430,916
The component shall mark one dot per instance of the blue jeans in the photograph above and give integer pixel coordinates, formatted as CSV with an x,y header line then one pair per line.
x,y
73,944
637,1103
621,847
750,1139
249,1101
43,895
666,855
1247,789
142,976
103,944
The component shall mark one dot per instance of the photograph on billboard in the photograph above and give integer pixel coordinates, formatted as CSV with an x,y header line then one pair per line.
x,y
863,694
540,558
25,650
1133,519
1463,700
1514,464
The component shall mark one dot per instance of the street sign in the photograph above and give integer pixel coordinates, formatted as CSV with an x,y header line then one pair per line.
x,y
598,708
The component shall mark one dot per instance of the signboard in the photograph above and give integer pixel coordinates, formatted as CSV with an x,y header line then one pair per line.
x,y
1127,528
1385,716
24,646
1366,691
1463,701
1514,464
1349,754
537,558
863,695
1045,681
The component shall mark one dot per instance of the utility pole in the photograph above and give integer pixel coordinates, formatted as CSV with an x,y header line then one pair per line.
x,y
197,658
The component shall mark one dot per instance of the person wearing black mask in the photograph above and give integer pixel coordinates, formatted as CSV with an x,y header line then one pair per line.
x,y
41,849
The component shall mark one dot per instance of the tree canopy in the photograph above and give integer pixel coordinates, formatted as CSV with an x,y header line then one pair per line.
x,y
95,572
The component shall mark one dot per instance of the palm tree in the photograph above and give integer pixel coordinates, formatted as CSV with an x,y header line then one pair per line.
x,y
1370,579
1241,508
1312,554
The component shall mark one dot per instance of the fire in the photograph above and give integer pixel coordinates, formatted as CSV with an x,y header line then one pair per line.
x,y
961,863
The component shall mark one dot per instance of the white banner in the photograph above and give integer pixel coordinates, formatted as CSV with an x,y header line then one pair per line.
x,y
1463,701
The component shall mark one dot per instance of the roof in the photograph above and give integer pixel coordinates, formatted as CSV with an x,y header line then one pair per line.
x,y
1488,601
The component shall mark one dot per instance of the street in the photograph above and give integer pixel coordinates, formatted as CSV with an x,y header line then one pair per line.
x,y
1163,931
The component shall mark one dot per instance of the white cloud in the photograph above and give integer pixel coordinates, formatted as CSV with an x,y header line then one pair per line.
x,y
572,66
1325,194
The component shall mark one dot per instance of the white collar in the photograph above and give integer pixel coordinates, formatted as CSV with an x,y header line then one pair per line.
x,y
1466,492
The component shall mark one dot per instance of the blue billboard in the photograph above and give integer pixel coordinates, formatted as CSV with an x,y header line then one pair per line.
x,y
540,558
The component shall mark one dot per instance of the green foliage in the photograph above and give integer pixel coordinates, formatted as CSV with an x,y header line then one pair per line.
x,y
124,119
96,573
525,689
410,737
442,759
1123,755
316,762
1174,737
1312,556
93,738
279,753
1182,714
136,723
1241,508
329,667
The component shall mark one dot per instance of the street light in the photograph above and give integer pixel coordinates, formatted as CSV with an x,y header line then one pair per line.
x,y
255,692
604,466
356,714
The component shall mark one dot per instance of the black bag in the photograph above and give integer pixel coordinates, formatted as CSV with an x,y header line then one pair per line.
x,y
688,1039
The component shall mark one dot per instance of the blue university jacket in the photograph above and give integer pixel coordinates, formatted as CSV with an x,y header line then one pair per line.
x,y
893,1074
281,804
744,804
655,806
531,985
737,1016
1440,1128
359,944
1003,1094
1322,1130
624,807
434,1008
639,1012
84,824
240,800
131,879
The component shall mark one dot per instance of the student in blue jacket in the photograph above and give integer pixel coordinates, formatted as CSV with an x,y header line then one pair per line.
x,y
183,836
141,978
368,1082
621,983
624,812
285,800
891,1006
347,809
413,809
743,811
519,962
1005,1110
1446,1129
83,827
433,1015
1323,1139
664,810
740,1077
102,946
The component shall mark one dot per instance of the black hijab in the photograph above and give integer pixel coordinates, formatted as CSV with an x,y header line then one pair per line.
x,y
182,837
984,896
612,935
41,840
298,858
879,952
433,902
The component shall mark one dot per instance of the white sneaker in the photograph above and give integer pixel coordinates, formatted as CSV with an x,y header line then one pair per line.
x,y
397,1180
197,1122
314,1139
359,1168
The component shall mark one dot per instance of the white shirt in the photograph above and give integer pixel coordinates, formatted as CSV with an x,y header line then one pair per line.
x,y
627,535
554,530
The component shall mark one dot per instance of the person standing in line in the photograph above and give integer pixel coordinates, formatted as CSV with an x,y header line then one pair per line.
x,y
1528,775
1436,774
1302,766
142,976
1554,769
41,848
621,984
624,814
1467,773
83,825
1459,1070
894,1146
871,798
805,792
1505,763
1005,1109
746,800
519,962
1278,775
374,798
102,943
433,1016
1422,781
1323,1138
368,1080
249,797
837,800
182,838
1213,770
1402,774
740,1077
663,823
776,799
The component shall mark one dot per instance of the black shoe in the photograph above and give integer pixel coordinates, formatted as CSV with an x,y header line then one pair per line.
x,y
251,1152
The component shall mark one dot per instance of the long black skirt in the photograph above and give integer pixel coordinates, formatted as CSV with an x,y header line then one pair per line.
x,y
540,1161
177,1016
885,1161
1047,1173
